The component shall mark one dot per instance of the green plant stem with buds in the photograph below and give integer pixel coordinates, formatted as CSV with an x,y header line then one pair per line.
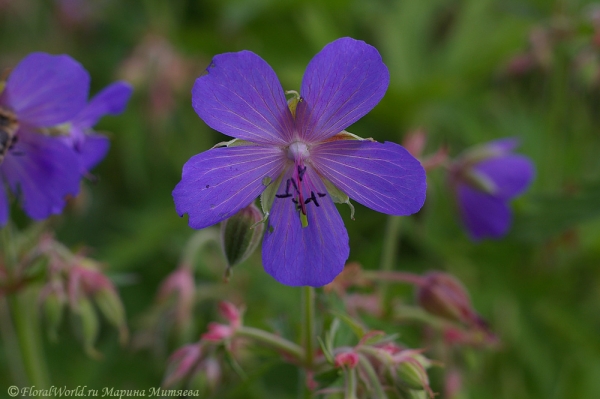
x,y
23,318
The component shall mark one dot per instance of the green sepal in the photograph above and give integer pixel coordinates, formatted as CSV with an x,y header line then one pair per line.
x,y
232,143
338,196
268,196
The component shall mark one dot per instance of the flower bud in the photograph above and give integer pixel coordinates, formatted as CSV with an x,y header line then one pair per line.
x,y
443,295
412,374
217,332
53,299
346,359
411,370
179,286
88,325
241,233
112,308
181,363
230,312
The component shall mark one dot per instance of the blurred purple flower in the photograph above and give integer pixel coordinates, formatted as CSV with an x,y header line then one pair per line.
x,y
302,149
485,179
41,91
92,147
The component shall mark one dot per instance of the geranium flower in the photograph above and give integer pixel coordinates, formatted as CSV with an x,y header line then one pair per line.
x,y
42,91
299,155
92,147
485,179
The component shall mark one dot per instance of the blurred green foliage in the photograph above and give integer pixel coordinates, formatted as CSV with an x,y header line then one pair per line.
x,y
455,72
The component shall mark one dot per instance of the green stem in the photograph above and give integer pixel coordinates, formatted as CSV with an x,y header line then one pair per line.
x,y
390,250
308,326
23,306
11,345
24,325
271,340
350,384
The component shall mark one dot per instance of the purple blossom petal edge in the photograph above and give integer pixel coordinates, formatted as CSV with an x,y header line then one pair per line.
x,y
240,96
43,175
342,83
484,215
217,183
383,176
47,90
312,255
112,100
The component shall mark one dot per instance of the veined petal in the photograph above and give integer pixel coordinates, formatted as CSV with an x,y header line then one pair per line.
x,y
42,171
112,100
217,183
4,207
511,174
382,176
313,255
46,90
341,84
484,215
240,96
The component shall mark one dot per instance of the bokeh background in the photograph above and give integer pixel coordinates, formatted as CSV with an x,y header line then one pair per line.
x,y
465,72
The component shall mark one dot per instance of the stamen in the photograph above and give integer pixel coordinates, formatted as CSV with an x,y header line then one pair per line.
x,y
301,172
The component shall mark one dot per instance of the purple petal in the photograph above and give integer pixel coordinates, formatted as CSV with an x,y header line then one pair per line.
x,y
510,174
341,84
110,101
313,255
42,171
219,182
93,150
4,207
240,96
47,90
483,215
382,176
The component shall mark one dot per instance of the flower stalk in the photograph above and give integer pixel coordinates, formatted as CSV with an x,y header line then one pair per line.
x,y
389,252
308,326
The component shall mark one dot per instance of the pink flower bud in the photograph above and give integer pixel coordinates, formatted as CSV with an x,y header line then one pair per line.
x,y
230,312
443,295
346,359
217,332
180,285
181,363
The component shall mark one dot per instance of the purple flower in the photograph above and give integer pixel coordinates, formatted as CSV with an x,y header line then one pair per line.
x,y
485,179
42,91
298,155
92,147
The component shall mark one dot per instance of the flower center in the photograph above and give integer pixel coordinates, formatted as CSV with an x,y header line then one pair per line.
x,y
299,187
298,152
8,130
